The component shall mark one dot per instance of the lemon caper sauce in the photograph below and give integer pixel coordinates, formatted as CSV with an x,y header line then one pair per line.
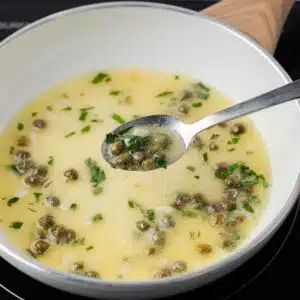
x,y
64,205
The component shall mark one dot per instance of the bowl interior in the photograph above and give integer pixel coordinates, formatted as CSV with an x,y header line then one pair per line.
x,y
120,37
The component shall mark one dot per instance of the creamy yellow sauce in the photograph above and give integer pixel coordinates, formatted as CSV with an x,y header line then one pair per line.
x,y
118,249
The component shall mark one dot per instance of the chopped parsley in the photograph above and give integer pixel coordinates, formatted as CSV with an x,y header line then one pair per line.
x,y
131,204
98,190
118,118
114,92
89,248
214,136
13,169
160,162
11,150
49,108
164,94
20,126
201,95
13,200
233,141
205,156
67,108
33,114
191,168
16,225
248,207
150,214
100,77
97,175
111,138
79,242
231,149
176,77
70,134
37,196
202,86
197,104
86,129
189,214
64,95
83,115
50,161
97,217
73,206
87,108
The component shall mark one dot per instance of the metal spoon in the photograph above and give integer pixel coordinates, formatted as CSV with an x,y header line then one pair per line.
x,y
186,132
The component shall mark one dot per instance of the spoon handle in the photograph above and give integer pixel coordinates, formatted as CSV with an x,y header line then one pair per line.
x,y
280,95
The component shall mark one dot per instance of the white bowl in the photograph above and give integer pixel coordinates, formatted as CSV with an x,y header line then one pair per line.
x,y
117,35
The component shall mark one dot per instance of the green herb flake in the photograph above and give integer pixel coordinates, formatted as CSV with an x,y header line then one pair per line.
x,y
231,149
108,79
254,200
214,136
189,214
67,108
20,126
100,77
37,196
261,178
11,150
12,201
79,242
64,95
111,138
50,161
89,248
87,108
49,108
73,206
97,175
16,225
150,214
202,86
98,190
97,217
131,204
114,92
33,114
118,118
70,134
197,104
164,94
205,156
234,141
32,210
160,162
96,121
12,168
197,177
248,207
83,115
176,77
86,129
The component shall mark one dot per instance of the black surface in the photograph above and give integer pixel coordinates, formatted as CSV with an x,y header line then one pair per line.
x,y
276,279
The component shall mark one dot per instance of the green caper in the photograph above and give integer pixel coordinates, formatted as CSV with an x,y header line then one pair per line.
x,y
182,200
232,180
23,141
138,156
71,175
179,266
116,148
168,222
150,250
45,222
52,201
22,155
161,140
204,248
148,164
39,124
163,272
23,166
122,161
39,247
58,234
33,181
142,225
230,194
40,171
159,238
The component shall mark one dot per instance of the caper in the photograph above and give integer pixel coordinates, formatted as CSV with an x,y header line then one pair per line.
x,y
71,175
237,129
92,274
204,248
122,161
23,166
52,201
142,225
40,233
39,124
58,234
45,222
161,140
182,200
33,181
138,156
150,251
70,235
183,109
213,146
22,155
179,266
40,171
168,222
23,141
39,247
77,266
232,180
116,148
230,194
197,201
159,238
163,272
148,164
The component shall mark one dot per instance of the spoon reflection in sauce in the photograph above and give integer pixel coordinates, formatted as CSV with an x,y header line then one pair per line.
x,y
166,133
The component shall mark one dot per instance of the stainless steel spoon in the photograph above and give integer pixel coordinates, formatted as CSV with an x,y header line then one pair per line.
x,y
186,132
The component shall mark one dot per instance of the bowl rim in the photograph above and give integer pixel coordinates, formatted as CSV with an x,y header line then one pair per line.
x,y
258,241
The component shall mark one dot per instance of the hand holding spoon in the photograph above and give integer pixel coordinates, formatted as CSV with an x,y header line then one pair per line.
x,y
185,132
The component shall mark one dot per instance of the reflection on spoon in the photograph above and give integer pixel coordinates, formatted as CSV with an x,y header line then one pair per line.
x,y
157,141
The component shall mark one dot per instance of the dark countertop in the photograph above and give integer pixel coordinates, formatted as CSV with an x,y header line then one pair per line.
x,y
277,278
